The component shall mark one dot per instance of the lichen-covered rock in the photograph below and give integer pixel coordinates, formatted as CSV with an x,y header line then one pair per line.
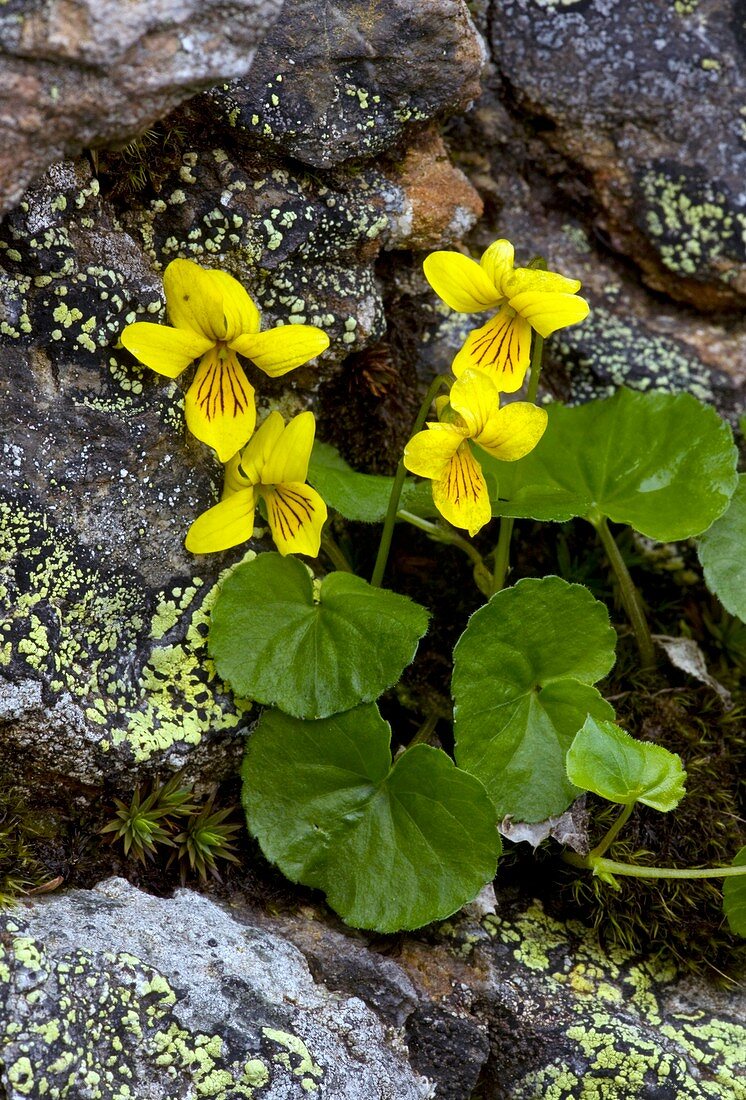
x,y
74,73
341,80
637,109
531,1008
112,994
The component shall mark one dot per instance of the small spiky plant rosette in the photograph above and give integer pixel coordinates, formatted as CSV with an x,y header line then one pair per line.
x,y
206,837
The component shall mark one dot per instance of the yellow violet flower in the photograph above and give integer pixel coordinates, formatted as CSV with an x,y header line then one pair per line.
x,y
273,466
213,319
524,298
442,451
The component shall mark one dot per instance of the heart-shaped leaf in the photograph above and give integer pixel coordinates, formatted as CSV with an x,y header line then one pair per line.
x,y
663,463
734,897
392,846
722,552
311,649
604,759
362,497
522,677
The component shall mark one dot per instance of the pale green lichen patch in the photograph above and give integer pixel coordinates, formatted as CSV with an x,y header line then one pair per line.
x,y
613,1008
110,1033
607,352
693,221
84,632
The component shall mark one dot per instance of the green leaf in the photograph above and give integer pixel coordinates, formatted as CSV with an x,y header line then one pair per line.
x,y
392,847
663,463
522,677
722,553
734,897
604,759
362,497
310,649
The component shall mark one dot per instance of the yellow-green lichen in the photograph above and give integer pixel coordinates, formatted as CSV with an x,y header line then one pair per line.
x,y
113,1035
78,629
618,1020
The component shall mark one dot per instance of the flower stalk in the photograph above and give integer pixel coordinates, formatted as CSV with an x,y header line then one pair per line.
x,y
628,592
396,489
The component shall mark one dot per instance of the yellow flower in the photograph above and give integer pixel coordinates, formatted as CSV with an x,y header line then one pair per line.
x,y
214,318
525,299
442,452
273,466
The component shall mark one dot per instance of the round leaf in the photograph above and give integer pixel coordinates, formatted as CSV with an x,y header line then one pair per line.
x,y
279,642
734,897
392,847
522,677
722,552
663,463
604,759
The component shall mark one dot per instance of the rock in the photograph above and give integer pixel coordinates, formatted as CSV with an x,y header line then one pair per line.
x,y
637,112
113,994
343,79
181,996
75,73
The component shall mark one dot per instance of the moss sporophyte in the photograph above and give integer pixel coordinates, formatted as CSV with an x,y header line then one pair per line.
x,y
272,467
214,320
526,298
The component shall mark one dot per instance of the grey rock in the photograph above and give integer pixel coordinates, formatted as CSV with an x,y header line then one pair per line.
x,y
74,73
343,79
636,109
112,993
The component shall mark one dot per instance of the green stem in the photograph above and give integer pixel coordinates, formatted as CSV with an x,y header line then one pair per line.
x,y
633,871
425,731
502,550
629,594
335,554
396,489
612,834
502,554
441,533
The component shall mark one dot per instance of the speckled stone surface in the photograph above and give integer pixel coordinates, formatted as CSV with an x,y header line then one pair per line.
x,y
112,994
341,80
641,106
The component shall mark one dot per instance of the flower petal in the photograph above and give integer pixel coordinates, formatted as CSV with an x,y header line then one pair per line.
x,y
289,458
461,495
194,299
281,349
296,514
476,398
501,348
497,261
460,282
513,431
241,315
549,312
219,404
245,468
166,350
428,453
548,282
224,525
